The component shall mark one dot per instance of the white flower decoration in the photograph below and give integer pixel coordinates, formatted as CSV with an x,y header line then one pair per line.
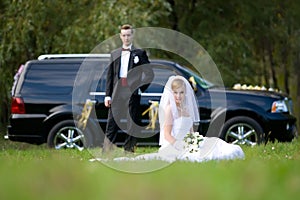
x,y
136,59
193,142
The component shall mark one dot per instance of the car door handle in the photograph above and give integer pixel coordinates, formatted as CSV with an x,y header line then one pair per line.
x,y
93,101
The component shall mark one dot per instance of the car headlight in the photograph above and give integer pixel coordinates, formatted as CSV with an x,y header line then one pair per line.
x,y
279,106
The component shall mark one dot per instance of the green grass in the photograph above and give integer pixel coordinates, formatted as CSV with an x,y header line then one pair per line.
x,y
37,172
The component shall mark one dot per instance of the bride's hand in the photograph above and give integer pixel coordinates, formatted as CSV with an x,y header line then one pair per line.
x,y
179,145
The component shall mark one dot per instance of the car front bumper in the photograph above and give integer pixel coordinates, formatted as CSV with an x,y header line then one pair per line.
x,y
282,127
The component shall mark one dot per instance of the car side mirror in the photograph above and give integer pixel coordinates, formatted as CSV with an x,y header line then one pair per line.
x,y
193,83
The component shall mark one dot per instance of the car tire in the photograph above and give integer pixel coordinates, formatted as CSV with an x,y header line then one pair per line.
x,y
242,130
65,135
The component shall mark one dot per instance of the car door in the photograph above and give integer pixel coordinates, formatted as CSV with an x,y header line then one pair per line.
x,y
151,97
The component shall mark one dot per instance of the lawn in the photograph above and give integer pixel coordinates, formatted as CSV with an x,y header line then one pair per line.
x,y
36,172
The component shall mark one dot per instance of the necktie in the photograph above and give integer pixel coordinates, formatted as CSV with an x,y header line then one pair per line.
x,y
123,49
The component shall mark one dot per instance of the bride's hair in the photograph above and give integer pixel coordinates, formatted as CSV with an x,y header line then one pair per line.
x,y
177,83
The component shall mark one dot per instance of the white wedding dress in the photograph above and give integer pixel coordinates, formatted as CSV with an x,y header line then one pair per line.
x,y
178,108
211,148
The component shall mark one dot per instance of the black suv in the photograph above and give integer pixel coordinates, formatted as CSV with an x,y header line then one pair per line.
x,y
45,108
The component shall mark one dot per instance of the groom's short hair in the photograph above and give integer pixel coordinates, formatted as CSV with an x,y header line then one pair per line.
x,y
126,27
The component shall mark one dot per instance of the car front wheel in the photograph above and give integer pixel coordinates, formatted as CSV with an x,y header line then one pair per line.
x,y
65,135
242,130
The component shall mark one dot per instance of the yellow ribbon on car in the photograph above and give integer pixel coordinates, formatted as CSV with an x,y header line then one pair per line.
x,y
153,113
193,82
85,114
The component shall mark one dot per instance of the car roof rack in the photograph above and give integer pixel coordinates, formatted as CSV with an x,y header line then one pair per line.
x,y
59,56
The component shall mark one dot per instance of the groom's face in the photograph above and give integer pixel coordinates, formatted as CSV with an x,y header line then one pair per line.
x,y
126,36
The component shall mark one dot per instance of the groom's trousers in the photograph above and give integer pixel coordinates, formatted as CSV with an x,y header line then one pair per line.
x,y
124,114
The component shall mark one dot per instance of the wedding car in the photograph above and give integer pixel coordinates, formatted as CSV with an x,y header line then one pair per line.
x,y
50,94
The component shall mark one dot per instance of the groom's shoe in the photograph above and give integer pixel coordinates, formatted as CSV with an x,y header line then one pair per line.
x,y
129,150
130,144
108,146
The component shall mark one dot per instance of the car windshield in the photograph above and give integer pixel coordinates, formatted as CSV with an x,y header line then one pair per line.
x,y
202,82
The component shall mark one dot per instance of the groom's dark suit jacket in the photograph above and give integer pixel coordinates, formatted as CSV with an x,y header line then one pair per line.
x,y
135,78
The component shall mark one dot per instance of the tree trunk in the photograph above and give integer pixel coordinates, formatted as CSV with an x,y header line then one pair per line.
x,y
285,51
265,71
272,65
285,70
297,103
174,17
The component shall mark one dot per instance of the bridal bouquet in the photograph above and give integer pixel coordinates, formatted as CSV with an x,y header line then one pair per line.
x,y
192,141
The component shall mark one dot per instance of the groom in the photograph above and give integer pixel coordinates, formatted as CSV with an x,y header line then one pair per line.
x,y
124,84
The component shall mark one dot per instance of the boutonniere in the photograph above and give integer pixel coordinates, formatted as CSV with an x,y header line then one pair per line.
x,y
136,59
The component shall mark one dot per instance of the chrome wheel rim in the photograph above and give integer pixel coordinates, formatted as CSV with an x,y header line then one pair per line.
x,y
69,138
242,134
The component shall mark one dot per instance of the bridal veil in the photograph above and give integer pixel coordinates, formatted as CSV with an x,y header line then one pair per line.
x,y
167,98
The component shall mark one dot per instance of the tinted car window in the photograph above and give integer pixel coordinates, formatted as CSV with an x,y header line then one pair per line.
x,y
101,82
16,79
161,76
41,76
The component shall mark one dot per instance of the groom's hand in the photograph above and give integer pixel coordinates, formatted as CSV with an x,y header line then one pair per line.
x,y
179,145
107,103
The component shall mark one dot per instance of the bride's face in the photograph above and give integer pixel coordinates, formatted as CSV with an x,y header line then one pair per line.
x,y
179,94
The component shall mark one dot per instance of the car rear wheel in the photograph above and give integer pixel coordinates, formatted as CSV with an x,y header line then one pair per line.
x,y
65,135
243,131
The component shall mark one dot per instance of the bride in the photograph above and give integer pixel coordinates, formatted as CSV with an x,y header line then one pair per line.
x,y
178,111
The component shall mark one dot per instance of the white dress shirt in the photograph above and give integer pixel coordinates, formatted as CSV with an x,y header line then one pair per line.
x,y
125,55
